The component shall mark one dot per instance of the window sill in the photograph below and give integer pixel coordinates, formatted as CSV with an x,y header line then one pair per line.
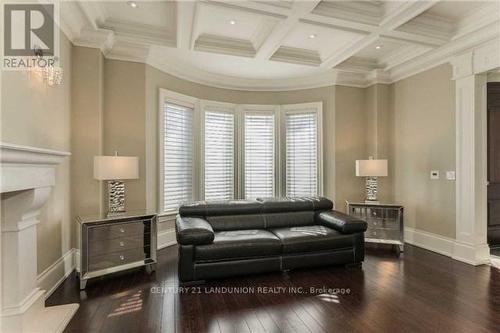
x,y
171,213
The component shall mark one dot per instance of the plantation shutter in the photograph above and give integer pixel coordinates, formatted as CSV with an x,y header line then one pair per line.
x,y
178,156
301,153
219,155
259,141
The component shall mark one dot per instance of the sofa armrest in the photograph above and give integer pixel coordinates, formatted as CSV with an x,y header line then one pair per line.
x,y
193,231
341,222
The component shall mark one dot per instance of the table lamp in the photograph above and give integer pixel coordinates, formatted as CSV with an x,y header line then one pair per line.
x,y
371,169
115,169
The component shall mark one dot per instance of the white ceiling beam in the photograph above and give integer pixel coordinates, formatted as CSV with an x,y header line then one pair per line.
x,y
252,7
276,37
347,52
414,38
404,13
186,19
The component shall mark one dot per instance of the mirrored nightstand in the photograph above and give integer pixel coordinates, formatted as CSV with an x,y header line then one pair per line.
x,y
110,244
385,223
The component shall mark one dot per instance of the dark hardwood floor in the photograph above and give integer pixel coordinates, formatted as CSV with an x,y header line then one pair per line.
x,y
420,292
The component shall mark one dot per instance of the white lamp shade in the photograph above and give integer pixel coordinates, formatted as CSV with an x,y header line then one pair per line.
x,y
371,168
116,167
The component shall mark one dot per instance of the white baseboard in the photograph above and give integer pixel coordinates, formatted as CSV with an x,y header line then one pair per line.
x,y
495,262
166,238
472,255
56,273
429,241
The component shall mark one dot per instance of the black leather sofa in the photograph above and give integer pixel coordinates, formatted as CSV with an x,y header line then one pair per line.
x,y
219,239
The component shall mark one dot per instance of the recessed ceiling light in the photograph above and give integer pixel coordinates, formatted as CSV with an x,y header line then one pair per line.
x,y
232,22
378,47
132,4
312,36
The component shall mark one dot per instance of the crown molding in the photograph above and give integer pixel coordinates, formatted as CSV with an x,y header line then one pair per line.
x,y
128,51
330,78
140,33
439,56
102,39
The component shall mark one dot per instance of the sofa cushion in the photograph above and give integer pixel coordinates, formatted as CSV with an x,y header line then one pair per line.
x,y
236,222
233,244
219,208
311,238
288,219
294,204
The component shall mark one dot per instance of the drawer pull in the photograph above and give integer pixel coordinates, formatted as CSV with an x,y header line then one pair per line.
x,y
122,244
122,230
122,257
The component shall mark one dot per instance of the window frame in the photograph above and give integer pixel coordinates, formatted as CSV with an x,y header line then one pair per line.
x,y
166,96
299,109
259,109
223,108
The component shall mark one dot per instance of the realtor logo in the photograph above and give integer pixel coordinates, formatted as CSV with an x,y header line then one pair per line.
x,y
29,34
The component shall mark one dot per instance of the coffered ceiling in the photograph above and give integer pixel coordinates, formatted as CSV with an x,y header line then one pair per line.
x,y
274,45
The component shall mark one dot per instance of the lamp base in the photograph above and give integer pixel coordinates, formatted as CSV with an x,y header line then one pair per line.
x,y
371,189
116,197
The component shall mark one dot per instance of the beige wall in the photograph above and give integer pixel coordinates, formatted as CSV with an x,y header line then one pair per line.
x,y
86,129
378,133
36,114
423,140
350,143
125,122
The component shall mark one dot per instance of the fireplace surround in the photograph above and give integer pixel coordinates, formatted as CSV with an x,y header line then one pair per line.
x,y
27,178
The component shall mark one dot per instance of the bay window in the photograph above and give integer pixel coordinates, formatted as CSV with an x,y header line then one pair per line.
x,y
220,151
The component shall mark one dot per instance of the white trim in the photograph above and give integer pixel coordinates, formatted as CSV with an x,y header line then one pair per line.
x,y
449,247
221,107
51,277
12,153
429,241
495,262
469,73
166,238
189,102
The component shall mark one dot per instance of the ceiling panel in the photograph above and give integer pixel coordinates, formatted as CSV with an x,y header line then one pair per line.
x,y
232,23
160,14
454,10
326,40
380,49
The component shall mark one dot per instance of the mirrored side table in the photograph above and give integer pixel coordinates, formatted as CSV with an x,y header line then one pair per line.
x,y
109,244
385,223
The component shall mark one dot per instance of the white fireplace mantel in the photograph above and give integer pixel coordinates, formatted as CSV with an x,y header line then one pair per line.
x,y
27,177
